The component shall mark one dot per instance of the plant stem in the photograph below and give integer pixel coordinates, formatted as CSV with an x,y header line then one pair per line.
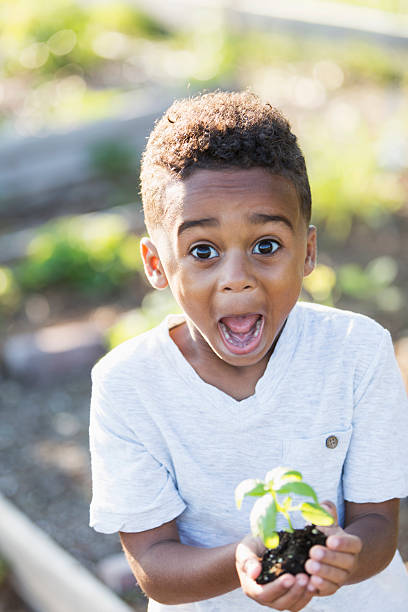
x,y
282,510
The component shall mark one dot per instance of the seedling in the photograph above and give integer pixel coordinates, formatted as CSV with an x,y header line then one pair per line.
x,y
279,482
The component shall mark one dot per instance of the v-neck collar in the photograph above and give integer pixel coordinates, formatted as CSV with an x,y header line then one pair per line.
x,y
267,384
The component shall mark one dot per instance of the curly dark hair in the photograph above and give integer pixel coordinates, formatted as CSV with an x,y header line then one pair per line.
x,y
219,130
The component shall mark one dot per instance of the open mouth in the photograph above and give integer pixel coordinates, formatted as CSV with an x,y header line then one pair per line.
x,y
241,333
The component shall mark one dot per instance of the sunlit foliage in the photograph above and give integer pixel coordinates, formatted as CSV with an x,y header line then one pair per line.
x,y
90,253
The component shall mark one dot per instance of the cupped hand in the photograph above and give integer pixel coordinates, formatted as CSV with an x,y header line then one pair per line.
x,y
285,593
331,566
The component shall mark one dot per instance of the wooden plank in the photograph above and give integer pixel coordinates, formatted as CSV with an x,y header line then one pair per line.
x,y
48,578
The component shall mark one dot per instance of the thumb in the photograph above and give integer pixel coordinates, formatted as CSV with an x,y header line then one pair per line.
x,y
252,567
248,561
331,509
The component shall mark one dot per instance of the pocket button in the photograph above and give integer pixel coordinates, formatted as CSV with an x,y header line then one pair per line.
x,y
332,442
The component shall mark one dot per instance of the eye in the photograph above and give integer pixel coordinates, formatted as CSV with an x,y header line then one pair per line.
x,y
267,246
204,251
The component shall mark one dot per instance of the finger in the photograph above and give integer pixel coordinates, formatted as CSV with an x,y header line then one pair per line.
x,y
247,560
337,575
334,528
345,543
252,568
342,560
267,593
322,587
331,508
250,546
294,599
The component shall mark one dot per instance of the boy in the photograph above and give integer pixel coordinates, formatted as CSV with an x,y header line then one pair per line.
x,y
246,380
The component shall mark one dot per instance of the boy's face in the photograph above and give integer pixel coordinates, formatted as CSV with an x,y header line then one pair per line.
x,y
234,248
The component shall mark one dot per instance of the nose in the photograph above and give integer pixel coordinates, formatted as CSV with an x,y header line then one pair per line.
x,y
236,274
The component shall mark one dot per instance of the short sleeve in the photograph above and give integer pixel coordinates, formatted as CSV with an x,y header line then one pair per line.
x,y
375,468
131,490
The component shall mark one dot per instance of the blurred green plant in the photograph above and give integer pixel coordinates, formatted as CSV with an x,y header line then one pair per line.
x,y
112,158
370,285
4,571
55,57
207,53
10,294
70,61
360,62
155,306
347,181
91,253
41,38
320,284
214,53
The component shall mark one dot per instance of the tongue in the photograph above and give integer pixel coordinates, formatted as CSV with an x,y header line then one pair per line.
x,y
240,324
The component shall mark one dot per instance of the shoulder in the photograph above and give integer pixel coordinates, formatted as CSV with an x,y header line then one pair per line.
x,y
343,337
336,325
349,345
131,357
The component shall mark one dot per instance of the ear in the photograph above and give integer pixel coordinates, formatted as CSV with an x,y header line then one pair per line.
x,y
152,265
311,251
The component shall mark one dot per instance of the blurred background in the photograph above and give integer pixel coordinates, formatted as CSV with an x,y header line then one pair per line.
x,y
81,85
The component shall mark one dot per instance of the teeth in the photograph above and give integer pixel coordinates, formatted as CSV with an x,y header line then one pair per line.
x,y
224,329
257,327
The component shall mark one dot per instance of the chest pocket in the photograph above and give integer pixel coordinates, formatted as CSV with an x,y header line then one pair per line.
x,y
320,460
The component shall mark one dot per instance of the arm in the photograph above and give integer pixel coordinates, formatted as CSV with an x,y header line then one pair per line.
x,y
364,548
173,573
377,527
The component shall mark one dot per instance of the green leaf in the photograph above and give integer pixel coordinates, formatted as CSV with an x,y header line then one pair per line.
x,y
263,517
291,476
251,486
314,513
275,473
298,488
279,476
272,541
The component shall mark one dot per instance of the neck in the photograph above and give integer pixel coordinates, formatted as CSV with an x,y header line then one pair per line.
x,y
237,381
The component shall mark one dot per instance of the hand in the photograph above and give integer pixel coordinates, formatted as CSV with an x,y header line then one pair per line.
x,y
331,566
286,593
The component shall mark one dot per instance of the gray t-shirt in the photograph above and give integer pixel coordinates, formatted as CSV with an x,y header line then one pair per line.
x,y
166,444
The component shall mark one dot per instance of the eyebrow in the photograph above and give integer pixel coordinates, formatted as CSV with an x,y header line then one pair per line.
x,y
254,219
207,222
258,218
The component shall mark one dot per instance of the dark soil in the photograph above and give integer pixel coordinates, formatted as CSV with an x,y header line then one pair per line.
x,y
290,556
